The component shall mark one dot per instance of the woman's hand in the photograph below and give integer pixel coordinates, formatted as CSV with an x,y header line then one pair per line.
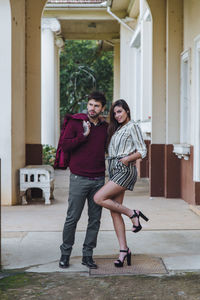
x,y
125,160
86,128
131,158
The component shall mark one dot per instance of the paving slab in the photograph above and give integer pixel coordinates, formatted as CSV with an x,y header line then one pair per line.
x,y
75,267
39,251
163,213
188,262
195,209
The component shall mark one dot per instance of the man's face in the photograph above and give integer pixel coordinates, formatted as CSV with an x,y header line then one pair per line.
x,y
94,108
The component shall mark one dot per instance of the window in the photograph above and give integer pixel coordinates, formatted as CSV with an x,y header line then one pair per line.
x,y
185,126
196,174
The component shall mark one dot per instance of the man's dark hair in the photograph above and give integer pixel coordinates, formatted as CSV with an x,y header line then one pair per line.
x,y
98,96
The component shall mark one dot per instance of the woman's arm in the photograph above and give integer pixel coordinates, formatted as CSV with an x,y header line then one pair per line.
x,y
130,158
140,146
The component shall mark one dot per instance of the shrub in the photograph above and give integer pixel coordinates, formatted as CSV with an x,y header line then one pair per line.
x,y
48,155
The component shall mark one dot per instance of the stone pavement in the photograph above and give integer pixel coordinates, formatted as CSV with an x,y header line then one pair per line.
x,y
32,233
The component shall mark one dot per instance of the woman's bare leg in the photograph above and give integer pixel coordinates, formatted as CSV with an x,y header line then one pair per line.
x,y
106,197
119,227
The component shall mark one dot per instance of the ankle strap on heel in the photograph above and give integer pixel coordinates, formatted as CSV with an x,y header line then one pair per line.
x,y
126,251
134,215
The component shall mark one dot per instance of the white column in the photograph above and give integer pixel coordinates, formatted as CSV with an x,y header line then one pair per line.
x,y
59,43
126,67
131,77
5,102
116,94
142,84
141,8
137,84
49,62
196,172
146,70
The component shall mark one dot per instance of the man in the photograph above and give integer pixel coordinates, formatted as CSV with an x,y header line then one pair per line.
x,y
86,141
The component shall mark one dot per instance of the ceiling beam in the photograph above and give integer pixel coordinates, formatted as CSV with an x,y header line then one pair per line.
x,y
90,36
79,14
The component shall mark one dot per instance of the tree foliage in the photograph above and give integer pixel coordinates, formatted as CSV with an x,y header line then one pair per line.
x,y
83,68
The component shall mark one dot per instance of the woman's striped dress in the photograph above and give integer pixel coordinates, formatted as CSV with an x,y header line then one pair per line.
x,y
125,141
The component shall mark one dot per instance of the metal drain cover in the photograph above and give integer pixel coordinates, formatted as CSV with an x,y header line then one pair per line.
x,y
141,265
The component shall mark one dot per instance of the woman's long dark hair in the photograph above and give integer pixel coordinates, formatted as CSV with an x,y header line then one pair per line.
x,y
113,125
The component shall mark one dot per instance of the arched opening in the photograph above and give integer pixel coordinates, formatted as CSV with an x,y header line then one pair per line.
x,y
33,131
54,32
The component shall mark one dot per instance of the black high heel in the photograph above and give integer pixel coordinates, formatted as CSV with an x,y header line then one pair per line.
x,y
138,215
120,263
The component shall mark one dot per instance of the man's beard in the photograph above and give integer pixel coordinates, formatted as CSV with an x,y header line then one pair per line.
x,y
95,116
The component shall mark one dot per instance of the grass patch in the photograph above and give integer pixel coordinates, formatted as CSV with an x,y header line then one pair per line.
x,y
14,280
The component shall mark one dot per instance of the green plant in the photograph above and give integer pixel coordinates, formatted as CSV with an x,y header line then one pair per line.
x,y
84,67
48,155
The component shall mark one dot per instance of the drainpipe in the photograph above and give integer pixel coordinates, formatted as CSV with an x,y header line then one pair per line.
x,y
119,20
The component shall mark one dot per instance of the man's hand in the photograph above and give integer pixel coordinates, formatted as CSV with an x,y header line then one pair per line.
x,y
86,128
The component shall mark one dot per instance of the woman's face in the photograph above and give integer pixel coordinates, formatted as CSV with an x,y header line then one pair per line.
x,y
121,115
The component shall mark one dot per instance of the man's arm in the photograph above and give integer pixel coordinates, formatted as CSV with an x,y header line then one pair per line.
x,y
73,136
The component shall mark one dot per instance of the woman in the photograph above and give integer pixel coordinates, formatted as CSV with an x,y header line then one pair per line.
x,y
125,146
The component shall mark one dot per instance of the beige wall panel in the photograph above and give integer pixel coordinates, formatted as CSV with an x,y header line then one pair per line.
x,y
18,93
158,11
5,102
174,49
34,10
120,5
191,21
134,8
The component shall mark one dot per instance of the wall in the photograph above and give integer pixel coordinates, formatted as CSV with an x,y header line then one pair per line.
x,y
189,180
191,31
34,9
33,70
15,63
18,94
156,169
5,101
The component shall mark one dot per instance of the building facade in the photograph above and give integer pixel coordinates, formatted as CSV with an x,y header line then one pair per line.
x,y
156,46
